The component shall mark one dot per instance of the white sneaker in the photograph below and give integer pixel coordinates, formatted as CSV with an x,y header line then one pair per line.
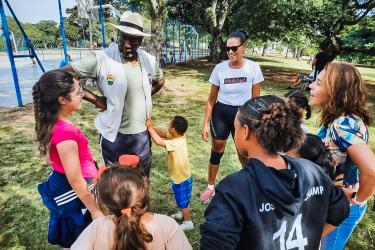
x,y
187,225
177,215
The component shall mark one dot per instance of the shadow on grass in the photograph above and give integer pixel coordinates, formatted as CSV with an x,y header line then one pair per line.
x,y
23,222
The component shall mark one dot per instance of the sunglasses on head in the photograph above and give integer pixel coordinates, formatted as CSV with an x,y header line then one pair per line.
x,y
233,48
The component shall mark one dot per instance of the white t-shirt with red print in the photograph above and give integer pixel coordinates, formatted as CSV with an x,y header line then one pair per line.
x,y
236,84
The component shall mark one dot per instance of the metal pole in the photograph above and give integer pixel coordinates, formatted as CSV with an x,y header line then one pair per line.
x,y
102,22
90,30
179,41
191,42
185,42
63,34
166,40
33,54
197,47
10,53
174,46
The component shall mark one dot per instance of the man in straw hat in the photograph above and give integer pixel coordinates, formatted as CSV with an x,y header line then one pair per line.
x,y
127,76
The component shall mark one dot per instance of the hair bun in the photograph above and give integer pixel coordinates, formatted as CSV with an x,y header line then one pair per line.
x,y
245,33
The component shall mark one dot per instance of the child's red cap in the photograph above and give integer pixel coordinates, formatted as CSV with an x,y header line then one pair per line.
x,y
129,160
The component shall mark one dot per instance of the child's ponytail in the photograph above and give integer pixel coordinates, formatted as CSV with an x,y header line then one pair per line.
x,y
124,191
130,232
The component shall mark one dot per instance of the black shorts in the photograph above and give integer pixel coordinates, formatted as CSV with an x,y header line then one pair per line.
x,y
222,121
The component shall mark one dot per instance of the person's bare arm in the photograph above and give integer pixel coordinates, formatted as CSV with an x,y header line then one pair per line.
x,y
208,110
68,153
255,90
161,133
154,135
99,101
327,229
364,158
157,85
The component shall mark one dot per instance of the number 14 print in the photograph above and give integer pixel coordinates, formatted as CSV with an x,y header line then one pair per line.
x,y
299,242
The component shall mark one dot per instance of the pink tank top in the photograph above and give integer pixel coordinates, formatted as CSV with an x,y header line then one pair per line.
x,y
64,131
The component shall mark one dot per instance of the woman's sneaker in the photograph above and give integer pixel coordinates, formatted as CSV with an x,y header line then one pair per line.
x,y
207,194
177,215
187,225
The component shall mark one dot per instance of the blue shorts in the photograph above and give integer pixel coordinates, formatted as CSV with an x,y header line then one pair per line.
x,y
182,192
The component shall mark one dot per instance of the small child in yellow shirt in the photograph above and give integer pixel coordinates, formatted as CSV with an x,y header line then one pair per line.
x,y
178,164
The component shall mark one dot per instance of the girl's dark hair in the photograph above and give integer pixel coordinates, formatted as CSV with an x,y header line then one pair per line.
x,y
275,123
242,35
46,91
300,100
313,149
119,188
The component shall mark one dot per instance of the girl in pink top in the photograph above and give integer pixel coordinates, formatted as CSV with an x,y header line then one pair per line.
x,y
66,192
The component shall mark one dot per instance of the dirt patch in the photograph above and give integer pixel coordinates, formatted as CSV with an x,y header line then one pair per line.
x,y
285,78
20,118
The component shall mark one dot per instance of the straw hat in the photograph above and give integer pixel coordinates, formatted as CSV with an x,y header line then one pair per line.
x,y
131,23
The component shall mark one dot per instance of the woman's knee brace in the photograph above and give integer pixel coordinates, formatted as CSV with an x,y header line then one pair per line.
x,y
215,157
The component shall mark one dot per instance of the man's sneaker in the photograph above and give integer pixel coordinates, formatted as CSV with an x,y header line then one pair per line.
x,y
187,225
207,194
177,215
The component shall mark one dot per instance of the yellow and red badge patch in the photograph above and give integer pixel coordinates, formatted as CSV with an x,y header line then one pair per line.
x,y
110,79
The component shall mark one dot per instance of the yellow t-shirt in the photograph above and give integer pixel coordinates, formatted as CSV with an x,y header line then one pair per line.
x,y
178,161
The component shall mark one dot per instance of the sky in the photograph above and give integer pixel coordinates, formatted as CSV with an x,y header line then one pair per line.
x,y
33,11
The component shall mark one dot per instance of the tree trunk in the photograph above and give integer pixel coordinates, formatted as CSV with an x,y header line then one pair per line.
x,y
216,17
157,20
264,49
216,46
287,51
156,27
295,52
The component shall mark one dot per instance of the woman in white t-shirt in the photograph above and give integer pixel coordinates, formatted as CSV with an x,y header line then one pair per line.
x,y
233,82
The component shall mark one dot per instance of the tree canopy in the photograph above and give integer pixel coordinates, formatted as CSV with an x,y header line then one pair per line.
x,y
345,27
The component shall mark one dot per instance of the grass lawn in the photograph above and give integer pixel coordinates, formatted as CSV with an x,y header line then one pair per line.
x,y
24,219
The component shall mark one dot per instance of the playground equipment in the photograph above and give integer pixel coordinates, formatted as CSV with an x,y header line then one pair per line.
x,y
32,54
87,9
11,56
186,43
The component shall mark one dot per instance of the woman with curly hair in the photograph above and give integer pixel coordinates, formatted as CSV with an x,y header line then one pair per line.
x,y
340,94
274,202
